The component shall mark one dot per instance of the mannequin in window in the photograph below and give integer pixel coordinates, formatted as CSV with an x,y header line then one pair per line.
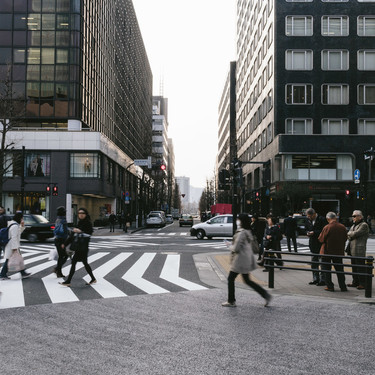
x,y
87,167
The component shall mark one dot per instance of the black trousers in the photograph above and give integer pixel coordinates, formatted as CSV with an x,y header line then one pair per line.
x,y
293,238
231,293
339,267
111,227
317,276
358,280
73,268
62,254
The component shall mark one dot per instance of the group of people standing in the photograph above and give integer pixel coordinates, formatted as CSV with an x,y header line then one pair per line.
x,y
80,235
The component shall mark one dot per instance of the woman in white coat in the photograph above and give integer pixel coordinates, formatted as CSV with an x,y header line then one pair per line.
x,y
16,227
243,261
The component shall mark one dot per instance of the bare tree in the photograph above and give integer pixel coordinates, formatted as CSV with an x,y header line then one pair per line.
x,y
11,112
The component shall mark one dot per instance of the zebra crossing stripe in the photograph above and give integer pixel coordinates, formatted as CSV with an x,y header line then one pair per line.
x,y
58,293
103,287
12,294
135,273
170,273
171,234
35,259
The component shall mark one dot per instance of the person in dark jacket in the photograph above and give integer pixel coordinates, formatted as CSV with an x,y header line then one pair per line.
x,y
112,221
84,227
257,228
333,239
290,228
272,238
314,226
61,234
3,223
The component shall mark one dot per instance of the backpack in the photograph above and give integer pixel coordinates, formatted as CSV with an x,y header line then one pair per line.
x,y
4,235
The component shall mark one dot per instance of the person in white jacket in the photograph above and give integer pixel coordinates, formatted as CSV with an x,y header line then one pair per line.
x,y
16,227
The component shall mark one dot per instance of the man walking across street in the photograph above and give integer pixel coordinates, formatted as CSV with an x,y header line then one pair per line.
x,y
112,222
357,236
290,228
333,239
314,227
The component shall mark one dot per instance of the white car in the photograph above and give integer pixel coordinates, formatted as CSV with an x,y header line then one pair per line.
x,y
169,219
155,220
218,226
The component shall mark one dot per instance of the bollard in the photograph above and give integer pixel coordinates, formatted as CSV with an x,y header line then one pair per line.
x,y
370,264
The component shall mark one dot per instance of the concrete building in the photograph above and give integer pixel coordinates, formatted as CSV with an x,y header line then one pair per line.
x,y
305,103
82,80
184,186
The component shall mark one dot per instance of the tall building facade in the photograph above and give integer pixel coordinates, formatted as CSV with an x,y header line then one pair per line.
x,y
81,76
184,186
305,103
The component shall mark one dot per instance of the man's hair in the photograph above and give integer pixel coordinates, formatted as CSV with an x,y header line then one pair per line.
x,y
331,215
357,212
310,211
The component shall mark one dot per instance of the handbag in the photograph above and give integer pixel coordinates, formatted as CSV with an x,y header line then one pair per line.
x,y
15,262
53,254
254,246
80,242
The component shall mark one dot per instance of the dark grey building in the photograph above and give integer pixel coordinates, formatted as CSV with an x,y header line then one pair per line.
x,y
305,102
82,80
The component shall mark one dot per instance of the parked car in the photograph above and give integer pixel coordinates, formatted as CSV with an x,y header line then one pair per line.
x,y
37,228
186,220
155,220
169,219
218,226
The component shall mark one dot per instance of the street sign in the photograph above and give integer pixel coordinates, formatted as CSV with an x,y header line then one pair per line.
x,y
357,181
143,162
357,174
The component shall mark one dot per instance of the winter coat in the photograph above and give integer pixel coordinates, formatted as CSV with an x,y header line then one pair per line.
x,y
333,239
14,238
290,226
243,259
61,220
357,236
274,242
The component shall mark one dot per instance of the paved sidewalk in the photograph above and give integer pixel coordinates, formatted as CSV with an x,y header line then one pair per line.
x,y
213,269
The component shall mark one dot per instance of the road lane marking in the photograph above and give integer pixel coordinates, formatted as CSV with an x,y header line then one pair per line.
x,y
12,294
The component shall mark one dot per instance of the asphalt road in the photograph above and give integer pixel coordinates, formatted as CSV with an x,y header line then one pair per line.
x,y
180,331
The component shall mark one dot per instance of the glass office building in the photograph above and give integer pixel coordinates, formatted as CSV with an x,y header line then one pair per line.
x,y
81,79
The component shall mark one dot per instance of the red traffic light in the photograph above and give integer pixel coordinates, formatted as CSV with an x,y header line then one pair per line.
x,y
55,190
347,192
48,189
162,167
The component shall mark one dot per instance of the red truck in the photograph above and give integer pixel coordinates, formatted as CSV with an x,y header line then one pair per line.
x,y
221,209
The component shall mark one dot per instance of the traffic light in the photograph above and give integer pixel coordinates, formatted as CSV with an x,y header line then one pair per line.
x,y
48,189
55,190
237,172
224,179
257,196
347,194
266,174
163,167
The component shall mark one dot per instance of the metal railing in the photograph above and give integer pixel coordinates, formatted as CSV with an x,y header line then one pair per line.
x,y
367,268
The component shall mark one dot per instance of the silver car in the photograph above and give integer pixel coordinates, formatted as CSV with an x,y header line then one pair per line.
x,y
218,226
155,220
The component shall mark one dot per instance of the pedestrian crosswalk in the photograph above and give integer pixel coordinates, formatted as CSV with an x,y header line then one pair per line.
x,y
118,275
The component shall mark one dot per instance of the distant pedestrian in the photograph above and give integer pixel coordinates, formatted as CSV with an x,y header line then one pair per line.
x,y
112,221
61,234
243,261
127,221
3,223
271,241
16,227
357,236
314,226
369,223
82,233
290,229
258,227
333,239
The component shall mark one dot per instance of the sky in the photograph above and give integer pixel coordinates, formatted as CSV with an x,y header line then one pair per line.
x,y
190,44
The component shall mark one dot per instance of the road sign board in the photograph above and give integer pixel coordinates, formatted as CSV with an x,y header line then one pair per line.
x,y
143,162
357,174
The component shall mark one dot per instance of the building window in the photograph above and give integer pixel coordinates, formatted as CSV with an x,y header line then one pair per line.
x,y
335,1
335,60
335,25
298,59
366,60
269,133
299,26
37,164
333,94
299,1
366,126
366,94
366,26
298,126
85,165
264,138
298,94
335,126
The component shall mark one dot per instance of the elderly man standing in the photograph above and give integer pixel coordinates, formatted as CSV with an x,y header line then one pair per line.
x,y
357,236
333,239
314,226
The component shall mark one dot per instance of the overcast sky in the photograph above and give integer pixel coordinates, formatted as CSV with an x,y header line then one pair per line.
x,y
190,43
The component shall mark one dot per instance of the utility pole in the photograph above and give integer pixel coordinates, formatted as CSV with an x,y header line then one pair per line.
x,y
23,181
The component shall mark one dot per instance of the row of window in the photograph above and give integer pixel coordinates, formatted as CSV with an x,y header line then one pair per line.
x,y
332,25
331,94
335,126
334,60
329,1
37,5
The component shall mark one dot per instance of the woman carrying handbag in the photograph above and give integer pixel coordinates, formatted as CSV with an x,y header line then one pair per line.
x,y
12,248
81,238
243,261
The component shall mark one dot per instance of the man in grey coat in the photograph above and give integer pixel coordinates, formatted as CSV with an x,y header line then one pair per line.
x,y
357,236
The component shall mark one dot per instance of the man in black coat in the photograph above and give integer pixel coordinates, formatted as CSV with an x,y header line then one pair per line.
x,y
257,228
290,228
314,227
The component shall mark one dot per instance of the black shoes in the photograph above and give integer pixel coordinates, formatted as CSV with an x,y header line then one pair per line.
x,y
321,283
313,282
